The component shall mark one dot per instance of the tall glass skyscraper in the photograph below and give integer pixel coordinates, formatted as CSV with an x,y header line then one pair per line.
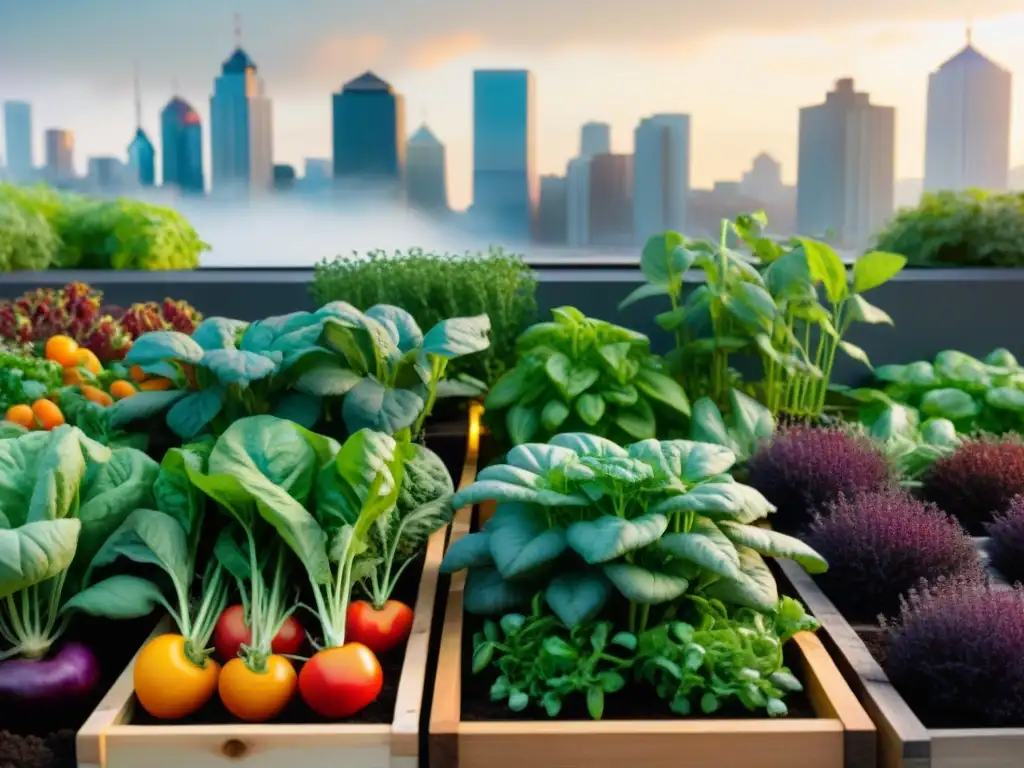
x,y
369,132
181,133
18,138
504,152
241,132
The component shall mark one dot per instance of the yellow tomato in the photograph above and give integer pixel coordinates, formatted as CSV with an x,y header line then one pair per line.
x,y
62,349
169,686
257,697
86,359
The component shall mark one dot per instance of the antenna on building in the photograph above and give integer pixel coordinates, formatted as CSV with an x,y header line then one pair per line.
x,y
174,86
138,94
423,109
238,30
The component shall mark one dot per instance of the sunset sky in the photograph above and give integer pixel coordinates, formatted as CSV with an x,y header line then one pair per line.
x,y
741,68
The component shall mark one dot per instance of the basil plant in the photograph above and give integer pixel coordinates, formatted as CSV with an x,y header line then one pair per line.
x,y
582,374
588,522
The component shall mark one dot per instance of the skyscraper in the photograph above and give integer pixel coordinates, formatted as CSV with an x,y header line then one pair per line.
x,y
967,142
60,155
105,175
18,140
425,172
611,200
141,153
504,151
763,181
661,170
577,202
595,139
552,210
241,128
369,132
181,134
846,167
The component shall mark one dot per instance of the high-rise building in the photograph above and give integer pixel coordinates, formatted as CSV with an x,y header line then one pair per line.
x,y
577,202
595,139
141,152
60,155
369,132
425,172
661,170
316,176
967,142
105,175
181,134
504,152
763,181
611,200
18,140
552,210
846,167
241,128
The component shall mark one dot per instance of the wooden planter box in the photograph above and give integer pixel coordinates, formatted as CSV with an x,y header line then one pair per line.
x,y
903,740
110,740
841,736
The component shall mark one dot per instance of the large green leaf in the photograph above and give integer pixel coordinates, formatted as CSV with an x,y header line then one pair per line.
x,y
35,552
56,474
577,597
150,537
641,585
142,405
775,544
553,415
638,421
719,501
757,589
457,337
508,389
403,327
521,421
328,379
949,403
860,310
118,597
217,333
827,267
523,544
590,408
305,410
235,366
371,405
190,415
511,474
706,546
588,445
874,268
173,490
609,537
488,594
664,259
470,551
645,291
154,346
540,458
411,528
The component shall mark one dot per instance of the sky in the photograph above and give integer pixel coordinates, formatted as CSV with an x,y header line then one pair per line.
x,y
740,68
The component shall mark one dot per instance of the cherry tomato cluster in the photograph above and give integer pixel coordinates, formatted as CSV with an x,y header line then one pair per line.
x,y
171,684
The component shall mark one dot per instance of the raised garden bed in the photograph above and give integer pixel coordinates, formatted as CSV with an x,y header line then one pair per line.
x,y
903,739
834,732
119,734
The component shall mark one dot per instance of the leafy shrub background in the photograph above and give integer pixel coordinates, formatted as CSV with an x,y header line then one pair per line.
x,y
434,287
41,228
966,229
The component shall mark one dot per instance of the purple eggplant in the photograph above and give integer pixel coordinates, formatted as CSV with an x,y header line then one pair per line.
x,y
71,674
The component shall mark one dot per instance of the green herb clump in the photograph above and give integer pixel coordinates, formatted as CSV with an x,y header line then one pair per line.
x,y
582,374
973,228
433,287
27,240
24,378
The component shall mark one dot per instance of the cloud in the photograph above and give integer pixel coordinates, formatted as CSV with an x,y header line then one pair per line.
x,y
344,56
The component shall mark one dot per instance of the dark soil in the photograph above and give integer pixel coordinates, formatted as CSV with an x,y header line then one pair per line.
x,y
636,701
875,642
381,711
43,735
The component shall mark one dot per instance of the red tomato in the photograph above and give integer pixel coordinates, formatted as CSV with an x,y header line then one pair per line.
x,y
232,631
338,682
382,630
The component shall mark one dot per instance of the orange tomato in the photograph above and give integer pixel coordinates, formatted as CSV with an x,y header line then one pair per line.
x,y
23,415
168,685
156,385
97,395
257,696
137,374
86,359
47,414
121,389
72,377
62,349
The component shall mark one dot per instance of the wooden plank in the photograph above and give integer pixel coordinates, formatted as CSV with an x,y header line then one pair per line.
x,y
903,741
978,748
108,740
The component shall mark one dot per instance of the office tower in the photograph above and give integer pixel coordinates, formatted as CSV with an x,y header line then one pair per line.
x,y
369,132
504,151
577,205
595,139
241,128
141,153
60,155
611,200
105,175
661,168
181,134
18,140
552,210
967,141
425,172
845,175
763,181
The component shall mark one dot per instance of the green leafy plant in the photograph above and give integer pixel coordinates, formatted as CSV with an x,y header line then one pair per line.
x,y
747,424
583,519
974,394
389,372
25,378
27,240
973,228
912,445
579,373
434,287
62,498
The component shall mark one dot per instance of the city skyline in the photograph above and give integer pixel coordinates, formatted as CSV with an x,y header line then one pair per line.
x,y
724,138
